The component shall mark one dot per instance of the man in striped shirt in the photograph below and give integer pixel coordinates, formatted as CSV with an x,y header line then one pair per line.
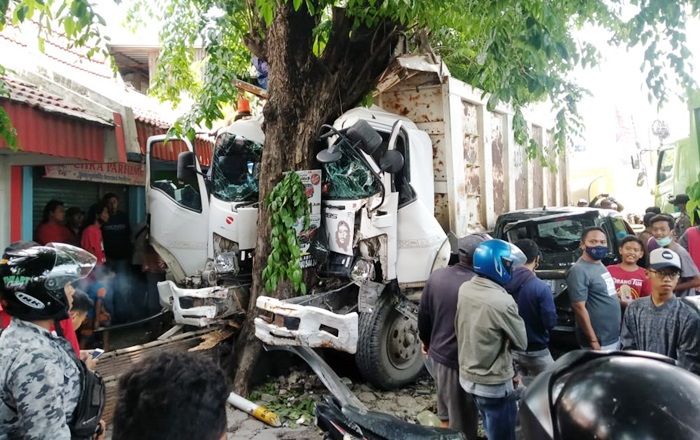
x,y
662,323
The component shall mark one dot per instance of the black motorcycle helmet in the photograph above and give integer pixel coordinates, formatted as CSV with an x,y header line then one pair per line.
x,y
612,395
33,279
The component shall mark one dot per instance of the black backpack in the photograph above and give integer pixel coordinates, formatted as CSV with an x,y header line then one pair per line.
x,y
91,401
88,411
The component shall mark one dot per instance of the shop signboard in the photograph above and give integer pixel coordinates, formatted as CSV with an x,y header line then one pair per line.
x,y
115,173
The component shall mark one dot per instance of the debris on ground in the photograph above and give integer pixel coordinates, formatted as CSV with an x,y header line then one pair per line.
x,y
260,412
293,398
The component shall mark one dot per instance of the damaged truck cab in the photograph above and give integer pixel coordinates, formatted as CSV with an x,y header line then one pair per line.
x,y
396,190
203,224
381,243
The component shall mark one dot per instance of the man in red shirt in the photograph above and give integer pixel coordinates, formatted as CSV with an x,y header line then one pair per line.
x,y
91,240
52,228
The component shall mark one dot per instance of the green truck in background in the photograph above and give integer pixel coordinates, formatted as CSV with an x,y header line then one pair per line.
x,y
678,167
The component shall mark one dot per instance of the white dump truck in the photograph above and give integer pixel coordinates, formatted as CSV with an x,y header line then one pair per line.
x,y
401,180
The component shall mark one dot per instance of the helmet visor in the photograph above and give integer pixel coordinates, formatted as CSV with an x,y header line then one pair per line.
x,y
516,258
71,264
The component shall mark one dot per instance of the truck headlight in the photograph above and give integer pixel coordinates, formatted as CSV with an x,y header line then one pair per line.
x,y
226,262
362,271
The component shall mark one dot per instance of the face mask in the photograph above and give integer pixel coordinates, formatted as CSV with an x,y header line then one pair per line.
x,y
597,252
663,242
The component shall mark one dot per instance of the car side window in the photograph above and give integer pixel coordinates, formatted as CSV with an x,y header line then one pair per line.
x,y
163,177
620,230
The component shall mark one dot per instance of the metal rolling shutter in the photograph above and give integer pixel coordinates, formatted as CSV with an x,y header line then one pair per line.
x,y
70,192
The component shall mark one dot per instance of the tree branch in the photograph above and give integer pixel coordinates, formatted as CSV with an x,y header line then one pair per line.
x,y
256,45
339,37
373,66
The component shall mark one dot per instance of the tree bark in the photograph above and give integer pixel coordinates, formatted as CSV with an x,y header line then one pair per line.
x,y
305,92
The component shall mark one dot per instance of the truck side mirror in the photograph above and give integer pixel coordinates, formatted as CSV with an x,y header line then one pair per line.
x,y
185,166
362,132
635,162
392,161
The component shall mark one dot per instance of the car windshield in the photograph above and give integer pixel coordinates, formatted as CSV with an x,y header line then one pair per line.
x,y
235,168
556,235
349,178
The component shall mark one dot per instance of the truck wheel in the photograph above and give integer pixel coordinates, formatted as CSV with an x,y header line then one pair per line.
x,y
388,354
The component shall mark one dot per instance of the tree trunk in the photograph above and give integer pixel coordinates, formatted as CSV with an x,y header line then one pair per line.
x,y
304,94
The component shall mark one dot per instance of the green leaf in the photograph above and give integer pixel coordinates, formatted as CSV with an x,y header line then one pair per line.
x,y
266,11
69,27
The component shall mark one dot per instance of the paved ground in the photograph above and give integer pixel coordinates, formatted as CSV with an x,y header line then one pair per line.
x,y
300,387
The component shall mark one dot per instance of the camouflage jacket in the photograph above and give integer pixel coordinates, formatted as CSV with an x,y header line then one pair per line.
x,y
40,383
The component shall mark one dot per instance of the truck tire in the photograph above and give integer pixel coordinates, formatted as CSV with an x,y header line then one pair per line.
x,y
388,349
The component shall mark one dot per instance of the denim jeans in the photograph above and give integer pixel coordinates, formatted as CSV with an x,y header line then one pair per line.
x,y
499,416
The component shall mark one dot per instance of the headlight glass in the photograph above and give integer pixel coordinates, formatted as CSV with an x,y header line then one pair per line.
x,y
225,255
226,262
362,271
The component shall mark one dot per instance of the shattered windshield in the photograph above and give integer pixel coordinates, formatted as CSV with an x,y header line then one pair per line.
x,y
557,235
235,168
349,178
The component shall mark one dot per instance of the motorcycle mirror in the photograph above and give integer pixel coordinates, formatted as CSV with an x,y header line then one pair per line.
x,y
185,166
392,161
368,138
329,155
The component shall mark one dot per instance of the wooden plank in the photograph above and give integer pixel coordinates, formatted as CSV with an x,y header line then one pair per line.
x,y
115,363
255,90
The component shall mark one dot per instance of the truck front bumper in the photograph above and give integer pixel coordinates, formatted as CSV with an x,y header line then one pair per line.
x,y
306,326
201,307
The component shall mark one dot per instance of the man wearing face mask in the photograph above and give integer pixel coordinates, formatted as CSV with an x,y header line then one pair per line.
x,y
593,296
662,237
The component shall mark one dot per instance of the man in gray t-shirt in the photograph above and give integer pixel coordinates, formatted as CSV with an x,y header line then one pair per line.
x,y
592,295
662,323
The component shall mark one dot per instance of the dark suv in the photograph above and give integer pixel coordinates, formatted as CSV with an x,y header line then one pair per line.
x,y
557,232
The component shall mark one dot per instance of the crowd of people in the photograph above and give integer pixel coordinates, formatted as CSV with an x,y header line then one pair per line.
x,y
122,286
485,323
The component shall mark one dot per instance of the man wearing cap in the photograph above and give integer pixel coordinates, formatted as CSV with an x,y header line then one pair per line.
x,y
536,306
436,317
662,323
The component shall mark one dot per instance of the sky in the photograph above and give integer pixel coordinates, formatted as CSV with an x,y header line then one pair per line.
x,y
619,83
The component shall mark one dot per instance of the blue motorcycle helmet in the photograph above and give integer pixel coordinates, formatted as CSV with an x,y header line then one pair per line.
x,y
495,260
